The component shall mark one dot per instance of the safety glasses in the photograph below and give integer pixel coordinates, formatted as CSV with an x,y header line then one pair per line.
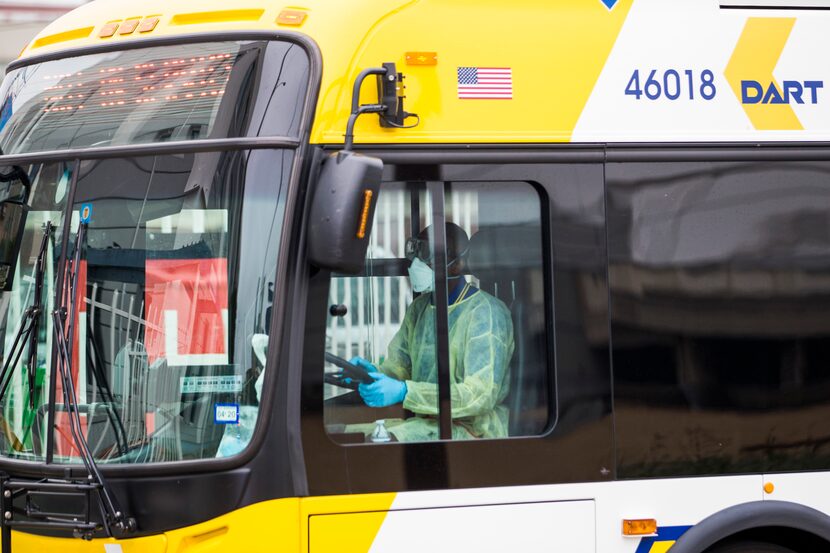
x,y
416,247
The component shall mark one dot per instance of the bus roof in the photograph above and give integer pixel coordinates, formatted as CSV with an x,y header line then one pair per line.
x,y
528,71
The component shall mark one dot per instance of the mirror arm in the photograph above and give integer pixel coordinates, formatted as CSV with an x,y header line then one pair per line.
x,y
390,98
359,82
368,108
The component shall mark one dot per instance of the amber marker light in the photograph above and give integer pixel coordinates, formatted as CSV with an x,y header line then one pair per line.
x,y
291,17
639,527
364,215
129,26
421,58
109,29
148,24
769,487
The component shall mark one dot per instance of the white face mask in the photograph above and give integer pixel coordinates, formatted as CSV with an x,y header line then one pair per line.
x,y
421,276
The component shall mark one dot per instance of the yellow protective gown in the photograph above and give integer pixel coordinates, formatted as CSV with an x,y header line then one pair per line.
x,y
481,345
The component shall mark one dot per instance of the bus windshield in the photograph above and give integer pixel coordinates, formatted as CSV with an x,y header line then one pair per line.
x,y
168,322
146,95
171,310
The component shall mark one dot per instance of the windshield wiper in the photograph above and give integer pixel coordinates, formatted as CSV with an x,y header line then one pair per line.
x,y
113,517
29,328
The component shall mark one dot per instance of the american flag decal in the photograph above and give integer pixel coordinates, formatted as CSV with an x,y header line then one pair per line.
x,y
493,83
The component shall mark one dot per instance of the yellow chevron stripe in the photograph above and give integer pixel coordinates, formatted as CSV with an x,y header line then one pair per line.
x,y
344,524
661,546
755,57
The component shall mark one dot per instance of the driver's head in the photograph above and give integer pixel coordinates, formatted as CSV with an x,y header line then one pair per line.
x,y
457,246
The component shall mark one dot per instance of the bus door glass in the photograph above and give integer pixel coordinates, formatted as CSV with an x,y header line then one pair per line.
x,y
493,328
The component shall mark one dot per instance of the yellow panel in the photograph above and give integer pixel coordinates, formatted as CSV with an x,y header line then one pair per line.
x,y
555,48
263,527
28,543
333,526
268,526
65,36
348,533
216,17
755,57
556,51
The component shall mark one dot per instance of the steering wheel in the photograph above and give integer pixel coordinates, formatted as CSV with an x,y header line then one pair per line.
x,y
350,376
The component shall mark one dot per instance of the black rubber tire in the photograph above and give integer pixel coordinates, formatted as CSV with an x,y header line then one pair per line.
x,y
749,547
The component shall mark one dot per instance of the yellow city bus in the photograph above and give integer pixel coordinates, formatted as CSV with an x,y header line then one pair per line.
x,y
412,275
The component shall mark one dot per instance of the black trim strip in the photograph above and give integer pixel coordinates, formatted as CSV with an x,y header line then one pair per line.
x,y
156,148
447,155
475,154
440,295
778,8
733,153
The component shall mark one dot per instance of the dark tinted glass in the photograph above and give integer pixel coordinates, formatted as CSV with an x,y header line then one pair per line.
x,y
158,94
720,293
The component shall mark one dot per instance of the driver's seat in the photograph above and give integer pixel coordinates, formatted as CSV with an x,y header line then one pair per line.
x,y
507,259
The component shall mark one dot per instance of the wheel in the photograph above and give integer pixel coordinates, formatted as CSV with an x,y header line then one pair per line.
x,y
749,547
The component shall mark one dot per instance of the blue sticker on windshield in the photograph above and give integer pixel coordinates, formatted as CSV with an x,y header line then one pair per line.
x,y
86,213
226,413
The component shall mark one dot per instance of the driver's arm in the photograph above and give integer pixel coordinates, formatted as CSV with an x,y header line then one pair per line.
x,y
398,363
487,346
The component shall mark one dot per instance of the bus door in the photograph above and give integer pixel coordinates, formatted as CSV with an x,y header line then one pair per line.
x,y
450,464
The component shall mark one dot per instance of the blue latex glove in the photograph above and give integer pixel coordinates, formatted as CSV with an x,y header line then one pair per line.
x,y
384,391
361,362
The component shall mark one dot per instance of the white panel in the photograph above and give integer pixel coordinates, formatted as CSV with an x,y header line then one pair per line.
x,y
801,488
673,502
695,36
566,527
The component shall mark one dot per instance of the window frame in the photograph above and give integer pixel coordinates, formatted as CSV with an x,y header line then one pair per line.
x,y
401,466
304,158
437,190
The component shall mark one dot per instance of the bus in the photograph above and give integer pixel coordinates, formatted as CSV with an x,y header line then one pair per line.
x,y
412,275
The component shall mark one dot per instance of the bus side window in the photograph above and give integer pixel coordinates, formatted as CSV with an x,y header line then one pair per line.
x,y
498,362
721,344
367,311
501,367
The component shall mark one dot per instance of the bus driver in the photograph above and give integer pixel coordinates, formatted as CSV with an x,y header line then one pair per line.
x,y
480,342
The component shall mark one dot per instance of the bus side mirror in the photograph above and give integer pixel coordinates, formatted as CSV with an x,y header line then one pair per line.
x,y
342,211
12,222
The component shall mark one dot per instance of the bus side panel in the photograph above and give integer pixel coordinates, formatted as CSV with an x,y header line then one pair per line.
x,y
554,526
567,517
801,488
676,504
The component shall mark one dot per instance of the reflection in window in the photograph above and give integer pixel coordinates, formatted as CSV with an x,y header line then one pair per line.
x,y
721,341
495,319
22,431
154,94
173,307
